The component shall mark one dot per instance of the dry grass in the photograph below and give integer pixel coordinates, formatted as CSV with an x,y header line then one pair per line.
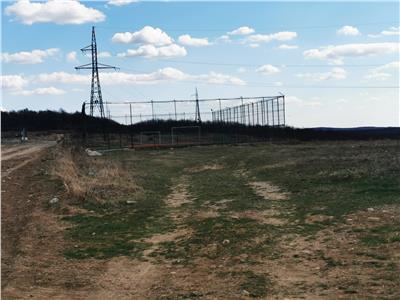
x,y
92,177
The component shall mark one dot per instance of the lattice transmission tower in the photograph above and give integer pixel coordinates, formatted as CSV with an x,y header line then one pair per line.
x,y
197,116
96,99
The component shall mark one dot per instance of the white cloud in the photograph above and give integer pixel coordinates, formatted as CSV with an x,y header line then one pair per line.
x,y
338,52
121,2
150,51
41,91
54,11
287,47
253,45
301,102
71,56
380,73
348,31
115,78
244,30
187,40
164,74
104,54
63,77
12,82
268,70
391,31
26,57
392,65
218,78
223,39
147,35
375,75
335,74
279,36
293,99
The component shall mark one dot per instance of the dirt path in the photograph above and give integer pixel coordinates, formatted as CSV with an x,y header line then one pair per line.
x,y
17,156
32,232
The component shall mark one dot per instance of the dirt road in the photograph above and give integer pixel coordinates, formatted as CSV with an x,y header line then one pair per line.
x,y
20,164
15,156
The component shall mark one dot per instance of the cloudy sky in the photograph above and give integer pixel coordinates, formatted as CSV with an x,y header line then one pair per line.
x,y
337,63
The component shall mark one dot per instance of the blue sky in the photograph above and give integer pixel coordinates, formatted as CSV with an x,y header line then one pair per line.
x,y
336,62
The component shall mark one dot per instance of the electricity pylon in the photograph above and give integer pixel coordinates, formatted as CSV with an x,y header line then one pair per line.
x,y
96,99
197,116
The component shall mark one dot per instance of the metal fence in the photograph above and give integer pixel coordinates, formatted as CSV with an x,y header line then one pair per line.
x,y
265,110
242,120
165,140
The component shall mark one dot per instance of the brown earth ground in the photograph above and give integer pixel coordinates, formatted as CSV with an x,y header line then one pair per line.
x,y
327,266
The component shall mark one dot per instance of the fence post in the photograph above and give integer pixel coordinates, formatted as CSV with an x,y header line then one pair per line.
x,y
152,110
252,111
284,111
175,109
278,104
258,121
273,112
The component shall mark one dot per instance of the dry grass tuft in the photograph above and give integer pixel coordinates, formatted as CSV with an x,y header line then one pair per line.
x,y
92,177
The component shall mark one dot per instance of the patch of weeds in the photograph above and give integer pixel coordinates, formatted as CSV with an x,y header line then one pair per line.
x,y
385,234
116,249
213,186
220,237
118,227
350,291
191,295
231,236
323,286
377,256
258,285
255,285
330,261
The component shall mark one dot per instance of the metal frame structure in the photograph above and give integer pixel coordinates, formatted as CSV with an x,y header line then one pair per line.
x,y
96,98
268,111
265,110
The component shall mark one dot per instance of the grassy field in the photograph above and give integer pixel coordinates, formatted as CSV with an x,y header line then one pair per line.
x,y
317,219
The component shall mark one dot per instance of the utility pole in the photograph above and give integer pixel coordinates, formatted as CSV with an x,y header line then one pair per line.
x,y
96,99
197,117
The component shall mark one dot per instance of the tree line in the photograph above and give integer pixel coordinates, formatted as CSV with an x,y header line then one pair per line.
x,y
49,120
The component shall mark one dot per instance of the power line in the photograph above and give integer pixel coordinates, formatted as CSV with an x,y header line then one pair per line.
x,y
257,65
259,29
192,100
